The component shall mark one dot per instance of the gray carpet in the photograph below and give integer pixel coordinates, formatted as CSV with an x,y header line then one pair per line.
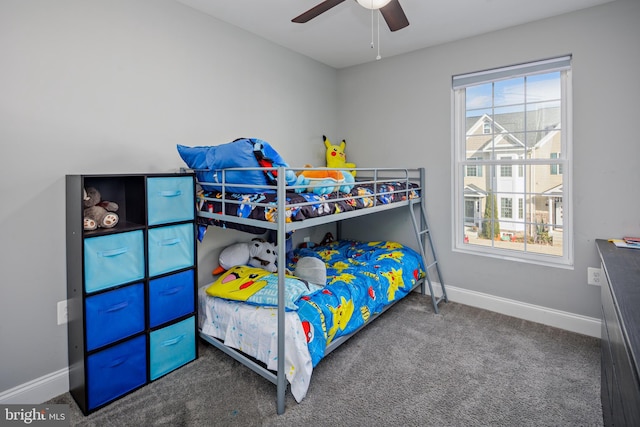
x,y
463,367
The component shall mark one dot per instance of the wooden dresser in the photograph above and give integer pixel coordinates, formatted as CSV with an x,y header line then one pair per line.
x,y
620,334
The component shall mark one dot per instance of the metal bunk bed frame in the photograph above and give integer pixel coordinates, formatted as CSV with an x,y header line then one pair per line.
x,y
282,228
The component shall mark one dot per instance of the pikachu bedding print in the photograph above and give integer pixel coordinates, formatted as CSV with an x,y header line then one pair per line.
x,y
362,279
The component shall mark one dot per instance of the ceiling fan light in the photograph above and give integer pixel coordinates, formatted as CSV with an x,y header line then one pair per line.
x,y
373,4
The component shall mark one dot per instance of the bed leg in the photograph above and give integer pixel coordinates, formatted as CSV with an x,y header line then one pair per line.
x,y
281,385
280,403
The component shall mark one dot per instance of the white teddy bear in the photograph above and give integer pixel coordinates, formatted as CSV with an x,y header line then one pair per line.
x,y
256,253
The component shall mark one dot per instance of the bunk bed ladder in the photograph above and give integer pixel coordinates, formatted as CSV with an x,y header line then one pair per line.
x,y
425,242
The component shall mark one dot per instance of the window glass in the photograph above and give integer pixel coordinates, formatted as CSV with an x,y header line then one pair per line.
x,y
511,156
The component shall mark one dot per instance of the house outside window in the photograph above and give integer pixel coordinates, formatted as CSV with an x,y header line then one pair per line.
x,y
521,163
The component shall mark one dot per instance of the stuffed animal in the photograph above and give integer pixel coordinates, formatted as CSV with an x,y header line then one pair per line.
x,y
256,253
322,181
98,213
312,270
336,157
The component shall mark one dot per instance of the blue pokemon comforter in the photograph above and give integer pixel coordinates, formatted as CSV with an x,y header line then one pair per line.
x,y
362,279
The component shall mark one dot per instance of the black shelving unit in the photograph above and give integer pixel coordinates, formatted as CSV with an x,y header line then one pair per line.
x,y
131,289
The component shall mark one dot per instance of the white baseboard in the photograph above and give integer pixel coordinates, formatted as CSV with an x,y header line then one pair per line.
x,y
547,316
49,386
39,390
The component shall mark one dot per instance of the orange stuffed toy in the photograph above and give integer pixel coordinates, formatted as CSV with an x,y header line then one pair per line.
x,y
323,181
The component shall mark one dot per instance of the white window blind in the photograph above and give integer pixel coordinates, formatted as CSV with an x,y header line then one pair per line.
x,y
542,66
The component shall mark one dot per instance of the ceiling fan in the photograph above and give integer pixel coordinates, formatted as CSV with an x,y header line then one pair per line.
x,y
390,9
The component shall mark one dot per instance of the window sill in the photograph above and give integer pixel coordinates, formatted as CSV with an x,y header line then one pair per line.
x,y
515,256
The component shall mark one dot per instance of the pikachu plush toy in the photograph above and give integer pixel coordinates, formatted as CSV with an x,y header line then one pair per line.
x,y
336,158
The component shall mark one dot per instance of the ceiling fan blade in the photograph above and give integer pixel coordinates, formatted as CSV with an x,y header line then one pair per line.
x,y
315,11
394,15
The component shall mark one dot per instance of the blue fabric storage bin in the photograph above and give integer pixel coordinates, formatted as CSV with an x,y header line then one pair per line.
x,y
113,259
170,199
171,297
171,248
172,347
116,371
114,315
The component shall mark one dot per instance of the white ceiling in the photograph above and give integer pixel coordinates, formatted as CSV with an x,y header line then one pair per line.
x,y
341,37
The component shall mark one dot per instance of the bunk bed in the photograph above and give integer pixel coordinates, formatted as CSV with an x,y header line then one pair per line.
x,y
260,208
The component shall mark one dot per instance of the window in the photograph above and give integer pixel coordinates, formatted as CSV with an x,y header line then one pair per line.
x,y
505,170
520,208
506,205
473,170
556,169
512,154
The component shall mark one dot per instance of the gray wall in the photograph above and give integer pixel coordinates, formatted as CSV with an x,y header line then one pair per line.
x,y
111,87
407,122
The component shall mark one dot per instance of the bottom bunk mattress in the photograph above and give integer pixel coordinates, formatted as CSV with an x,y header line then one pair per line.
x,y
252,329
363,278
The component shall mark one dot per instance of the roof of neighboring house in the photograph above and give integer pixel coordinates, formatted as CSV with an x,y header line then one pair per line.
x,y
542,119
474,190
512,125
554,191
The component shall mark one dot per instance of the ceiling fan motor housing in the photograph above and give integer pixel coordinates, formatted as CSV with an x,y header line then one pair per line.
x,y
391,11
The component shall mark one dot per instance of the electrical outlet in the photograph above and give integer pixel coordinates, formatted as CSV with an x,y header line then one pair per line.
x,y
306,239
63,312
594,276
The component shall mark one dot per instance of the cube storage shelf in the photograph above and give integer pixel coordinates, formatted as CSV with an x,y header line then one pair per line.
x,y
131,289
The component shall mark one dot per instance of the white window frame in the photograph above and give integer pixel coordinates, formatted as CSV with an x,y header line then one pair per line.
x,y
565,160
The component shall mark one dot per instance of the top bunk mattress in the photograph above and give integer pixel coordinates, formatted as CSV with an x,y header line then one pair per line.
x,y
231,209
